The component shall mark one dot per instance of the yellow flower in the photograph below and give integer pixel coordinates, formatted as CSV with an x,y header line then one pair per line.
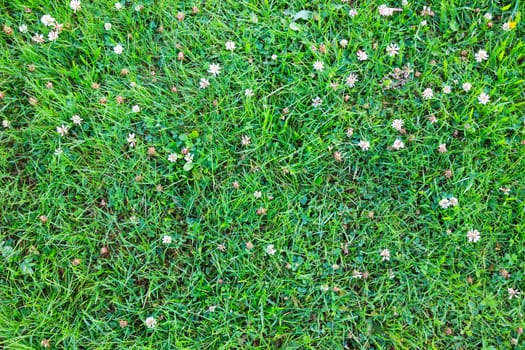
x,y
512,25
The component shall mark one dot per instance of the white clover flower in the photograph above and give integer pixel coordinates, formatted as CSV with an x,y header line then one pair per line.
x,y
387,11
172,157
131,140
150,322
444,203
318,66
427,11
481,56
75,5
361,55
118,49
230,45
398,124
473,235
270,250
214,69
245,140
76,119
365,145
513,293
427,93
204,83
392,50
188,158
47,20
398,144
52,36
351,79
316,102
483,98
63,130
38,38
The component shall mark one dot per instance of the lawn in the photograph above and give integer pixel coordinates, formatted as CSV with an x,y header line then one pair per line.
x,y
262,174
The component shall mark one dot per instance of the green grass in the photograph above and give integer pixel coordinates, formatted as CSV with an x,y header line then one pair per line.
x,y
325,218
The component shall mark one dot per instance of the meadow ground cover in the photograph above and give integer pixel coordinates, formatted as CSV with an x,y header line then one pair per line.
x,y
265,174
